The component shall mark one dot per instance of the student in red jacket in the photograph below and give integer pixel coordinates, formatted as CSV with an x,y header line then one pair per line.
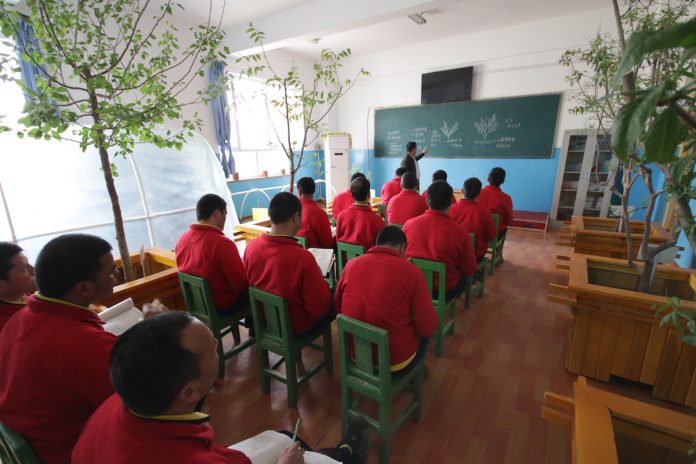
x,y
277,264
393,187
343,200
497,201
438,175
407,204
205,251
16,281
54,353
435,236
162,369
358,224
384,290
474,217
315,222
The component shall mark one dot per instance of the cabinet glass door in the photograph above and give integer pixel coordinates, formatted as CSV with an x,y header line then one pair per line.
x,y
598,176
571,177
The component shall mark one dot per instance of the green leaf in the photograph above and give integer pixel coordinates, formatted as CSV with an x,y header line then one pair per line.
x,y
630,121
689,339
663,137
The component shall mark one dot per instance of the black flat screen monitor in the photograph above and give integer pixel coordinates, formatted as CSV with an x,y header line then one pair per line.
x,y
447,86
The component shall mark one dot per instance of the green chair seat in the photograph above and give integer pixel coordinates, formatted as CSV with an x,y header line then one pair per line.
x,y
302,241
476,282
346,252
364,377
273,333
495,246
14,449
199,301
445,310
382,212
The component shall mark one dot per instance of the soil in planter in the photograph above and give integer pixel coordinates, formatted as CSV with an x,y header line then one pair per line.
x,y
625,279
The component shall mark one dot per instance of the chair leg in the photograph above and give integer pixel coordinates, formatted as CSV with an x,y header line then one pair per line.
x,y
291,378
469,286
492,263
439,335
482,282
418,393
235,333
221,358
345,405
384,430
452,311
264,365
328,350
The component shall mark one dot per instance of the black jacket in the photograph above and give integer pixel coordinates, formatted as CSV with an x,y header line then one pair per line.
x,y
409,164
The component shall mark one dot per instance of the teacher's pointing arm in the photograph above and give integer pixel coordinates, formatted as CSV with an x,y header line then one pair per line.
x,y
425,152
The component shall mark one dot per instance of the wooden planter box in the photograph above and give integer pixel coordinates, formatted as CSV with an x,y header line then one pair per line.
x,y
158,279
598,236
254,229
612,429
615,331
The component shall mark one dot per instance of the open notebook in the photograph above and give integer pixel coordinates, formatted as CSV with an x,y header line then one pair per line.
x,y
121,317
324,258
266,448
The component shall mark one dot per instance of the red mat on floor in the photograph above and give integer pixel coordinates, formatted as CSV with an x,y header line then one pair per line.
x,y
530,220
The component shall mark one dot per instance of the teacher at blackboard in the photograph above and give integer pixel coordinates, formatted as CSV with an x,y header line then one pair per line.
x,y
410,161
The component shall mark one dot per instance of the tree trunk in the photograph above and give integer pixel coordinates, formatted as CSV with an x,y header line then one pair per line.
x,y
685,217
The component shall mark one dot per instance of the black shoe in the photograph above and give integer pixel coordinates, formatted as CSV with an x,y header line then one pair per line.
x,y
357,440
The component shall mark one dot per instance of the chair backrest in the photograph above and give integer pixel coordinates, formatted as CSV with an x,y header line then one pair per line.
x,y
382,212
302,241
400,226
472,236
271,319
346,252
435,274
14,449
199,299
496,221
366,341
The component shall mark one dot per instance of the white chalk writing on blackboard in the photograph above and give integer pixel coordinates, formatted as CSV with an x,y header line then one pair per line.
x,y
486,126
447,130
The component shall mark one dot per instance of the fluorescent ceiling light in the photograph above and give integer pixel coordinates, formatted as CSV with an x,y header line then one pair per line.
x,y
418,18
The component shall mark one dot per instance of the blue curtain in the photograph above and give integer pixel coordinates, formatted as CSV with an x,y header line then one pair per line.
x,y
221,117
27,41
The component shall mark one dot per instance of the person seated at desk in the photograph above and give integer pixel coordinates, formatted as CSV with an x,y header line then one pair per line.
x,y
277,264
315,222
343,200
204,251
381,288
54,353
16,281
497,201
407,204
436,237
393,187
439,175
358,224
474,217
161,369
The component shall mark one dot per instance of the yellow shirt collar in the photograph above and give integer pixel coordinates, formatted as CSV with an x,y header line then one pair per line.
x,y
193,416
59,301
21,301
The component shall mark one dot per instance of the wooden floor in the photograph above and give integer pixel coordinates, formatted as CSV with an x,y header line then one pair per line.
x,y
482,399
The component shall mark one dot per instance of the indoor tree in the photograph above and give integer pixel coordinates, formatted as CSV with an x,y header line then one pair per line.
x,y
597,93
113,72
295,102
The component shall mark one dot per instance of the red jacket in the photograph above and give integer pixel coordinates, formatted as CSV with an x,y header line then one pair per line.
x,y
7,310
406,205
278,265
315,225
114,435
476,219
435,236
342,202
383,289
54,372
390,189
497,202
358,225
204,251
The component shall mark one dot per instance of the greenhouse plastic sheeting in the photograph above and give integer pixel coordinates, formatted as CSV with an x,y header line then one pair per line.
x,y
51,187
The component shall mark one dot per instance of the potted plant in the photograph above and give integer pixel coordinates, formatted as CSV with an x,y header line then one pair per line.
x,y
298,101
616,327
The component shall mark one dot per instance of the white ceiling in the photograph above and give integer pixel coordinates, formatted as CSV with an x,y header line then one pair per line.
x,y
368,26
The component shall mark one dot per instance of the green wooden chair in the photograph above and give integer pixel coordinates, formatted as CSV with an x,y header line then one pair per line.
x,y
346,252
400,226
199,301
302,241
495,246
476,282
445,310
274,334
382,212
363,377
14,449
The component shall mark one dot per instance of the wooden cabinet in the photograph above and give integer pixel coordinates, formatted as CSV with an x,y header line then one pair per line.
x,y
583,182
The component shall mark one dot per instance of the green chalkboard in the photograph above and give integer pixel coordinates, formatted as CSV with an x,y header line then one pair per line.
x,y
518,127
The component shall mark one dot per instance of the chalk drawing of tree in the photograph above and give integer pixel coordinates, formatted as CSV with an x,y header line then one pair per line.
x,y
449,131
486,126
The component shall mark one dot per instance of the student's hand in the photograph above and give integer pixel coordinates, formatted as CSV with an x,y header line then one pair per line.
x,y
154,309
293,455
